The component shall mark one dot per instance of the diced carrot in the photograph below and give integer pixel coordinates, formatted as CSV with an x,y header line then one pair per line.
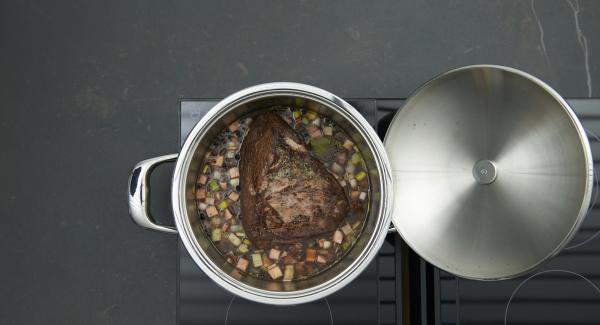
x,y
311,255
202,179
234,172
354,195
234,126
200,194
211,211
299,268
274,254
219,161
228,214
265,260
289,260
338,237
242,264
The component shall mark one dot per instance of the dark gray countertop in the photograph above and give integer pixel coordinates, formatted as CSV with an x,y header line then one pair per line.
x,y
89,89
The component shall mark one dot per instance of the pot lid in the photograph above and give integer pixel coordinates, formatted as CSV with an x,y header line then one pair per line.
x,y
492,172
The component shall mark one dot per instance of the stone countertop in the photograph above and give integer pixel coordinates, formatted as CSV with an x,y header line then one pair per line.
x,y
89,89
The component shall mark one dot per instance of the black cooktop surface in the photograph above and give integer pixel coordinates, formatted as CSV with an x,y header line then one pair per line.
x,y
400,288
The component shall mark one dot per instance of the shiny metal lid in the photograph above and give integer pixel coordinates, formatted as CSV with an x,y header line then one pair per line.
x,y
492,172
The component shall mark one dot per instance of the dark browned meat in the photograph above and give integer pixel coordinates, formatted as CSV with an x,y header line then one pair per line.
x,y
286,193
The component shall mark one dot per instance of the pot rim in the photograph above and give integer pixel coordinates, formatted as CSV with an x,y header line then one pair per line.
x,y
240,288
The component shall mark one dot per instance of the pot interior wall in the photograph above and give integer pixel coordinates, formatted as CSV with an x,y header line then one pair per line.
x,y
254,105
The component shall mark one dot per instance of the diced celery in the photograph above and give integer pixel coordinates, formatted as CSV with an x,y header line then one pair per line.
x,y
288,273
213,185
296,114
243,248
320,145
234,239
310,115
356,158
216,234
256,260
360,175
247,241
205,169
223,205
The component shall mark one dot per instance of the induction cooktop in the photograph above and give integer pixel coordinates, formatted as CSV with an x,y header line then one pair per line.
x,y
398,287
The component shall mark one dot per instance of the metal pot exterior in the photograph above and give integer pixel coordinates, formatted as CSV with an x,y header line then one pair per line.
x,y
197,242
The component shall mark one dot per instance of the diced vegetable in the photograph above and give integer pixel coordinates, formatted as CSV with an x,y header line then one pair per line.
x,y
338,237
200,194
234,172
256,260
234,182
218,161
326,244
311,254
211,211
242,264
265,260
343,183
213,185
216,221
233,196
314,132
223,205
230,154
353,183
304,120
209,201
356,159
247,241
348,144
310,115
362,196
296,114
346,229
337,168
227,214
320,145
350,168
317,121
274,271
328,131
289,260
216,174
226,227
321,259
346,245
234,239
274,254
216,234
243,248
240,234
202,206
234,126
360,175
202,179
288,273
236,228
354,195
205,169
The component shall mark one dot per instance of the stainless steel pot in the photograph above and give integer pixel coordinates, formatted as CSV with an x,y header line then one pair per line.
x,y
196,241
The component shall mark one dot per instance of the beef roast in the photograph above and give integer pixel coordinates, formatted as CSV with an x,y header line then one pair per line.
x,y
286,194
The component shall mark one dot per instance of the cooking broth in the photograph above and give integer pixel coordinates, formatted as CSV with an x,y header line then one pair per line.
x,y
307,208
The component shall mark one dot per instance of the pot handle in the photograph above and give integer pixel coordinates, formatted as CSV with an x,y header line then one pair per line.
x,y
138,193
